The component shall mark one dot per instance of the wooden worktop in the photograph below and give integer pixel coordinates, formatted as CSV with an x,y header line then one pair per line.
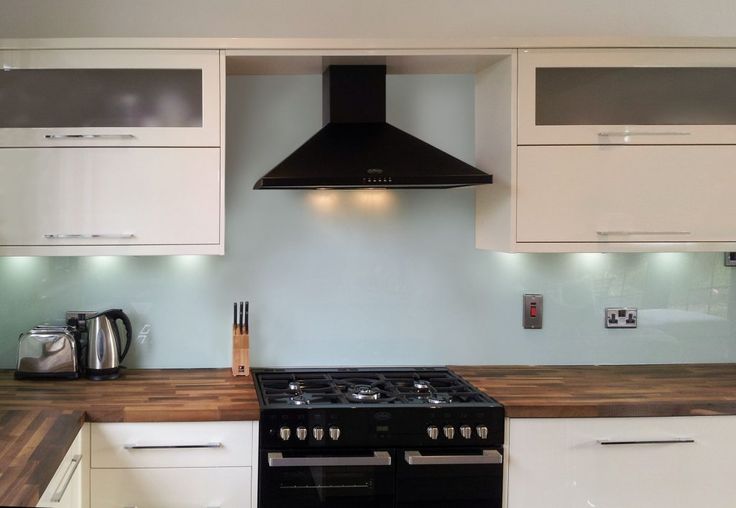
x,y
140,396
590,391
33,443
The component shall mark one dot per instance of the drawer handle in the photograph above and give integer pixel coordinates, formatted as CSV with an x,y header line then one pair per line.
x,y
89,136
611,134
66,479
609,442
276,459
173,447
77,236
415,458
606,233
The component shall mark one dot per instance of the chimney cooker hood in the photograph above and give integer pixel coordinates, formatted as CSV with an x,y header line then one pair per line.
x,y
357,149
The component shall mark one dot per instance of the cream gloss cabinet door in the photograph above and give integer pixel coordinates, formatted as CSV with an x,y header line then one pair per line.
x,y
78,98
627,96
69,487
184,487
674,462
93,197
620,194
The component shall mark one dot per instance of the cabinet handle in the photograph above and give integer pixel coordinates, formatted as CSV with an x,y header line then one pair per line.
x,y
93,236
617,134
414,458
606,233
609,442
89,136
130,446
66,479
276,459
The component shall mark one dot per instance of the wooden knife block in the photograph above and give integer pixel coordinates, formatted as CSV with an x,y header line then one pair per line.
x,y
241,355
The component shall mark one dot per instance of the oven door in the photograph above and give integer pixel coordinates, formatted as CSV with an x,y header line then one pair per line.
x,y
330,479
460,478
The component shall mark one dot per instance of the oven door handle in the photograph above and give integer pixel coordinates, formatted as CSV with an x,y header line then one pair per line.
x,y
415,458
277,459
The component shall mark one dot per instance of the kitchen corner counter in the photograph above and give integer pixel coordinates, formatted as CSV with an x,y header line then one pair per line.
x,y
32,445
608,390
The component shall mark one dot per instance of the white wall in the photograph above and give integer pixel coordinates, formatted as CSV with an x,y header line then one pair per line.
x,y
369,18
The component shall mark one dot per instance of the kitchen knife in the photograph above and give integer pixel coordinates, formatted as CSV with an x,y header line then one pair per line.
x,y
235,314
246,317
240,322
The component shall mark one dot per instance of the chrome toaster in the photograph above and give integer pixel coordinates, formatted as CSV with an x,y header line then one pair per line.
x,y
48,351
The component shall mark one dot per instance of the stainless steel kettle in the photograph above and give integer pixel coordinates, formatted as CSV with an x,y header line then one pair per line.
x,y
104,347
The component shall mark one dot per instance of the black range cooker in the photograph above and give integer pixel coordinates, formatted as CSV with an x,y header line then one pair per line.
x,y
378,438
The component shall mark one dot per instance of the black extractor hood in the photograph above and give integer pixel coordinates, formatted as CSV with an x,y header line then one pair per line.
x,y
357,149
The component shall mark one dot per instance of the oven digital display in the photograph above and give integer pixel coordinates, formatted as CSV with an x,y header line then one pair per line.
x,y
382,428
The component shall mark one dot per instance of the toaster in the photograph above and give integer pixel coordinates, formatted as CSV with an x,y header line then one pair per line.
x,y
48,351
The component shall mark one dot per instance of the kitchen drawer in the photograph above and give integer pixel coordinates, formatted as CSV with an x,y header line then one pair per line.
x,y
189,487
647,463
92,197
174,445
68,487
627,96
626,194
101,98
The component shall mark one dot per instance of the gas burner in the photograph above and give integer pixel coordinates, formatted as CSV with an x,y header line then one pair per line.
x,y
439,398
422,386
363,393
295,386
298,400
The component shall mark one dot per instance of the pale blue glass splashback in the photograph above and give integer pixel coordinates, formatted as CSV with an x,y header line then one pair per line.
x,y
374,277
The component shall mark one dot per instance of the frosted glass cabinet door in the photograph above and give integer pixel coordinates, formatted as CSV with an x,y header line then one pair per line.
x,y
109,98
627,96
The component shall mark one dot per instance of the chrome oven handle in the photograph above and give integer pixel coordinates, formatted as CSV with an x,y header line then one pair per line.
x,y
277,459
132,446
611,442
415,458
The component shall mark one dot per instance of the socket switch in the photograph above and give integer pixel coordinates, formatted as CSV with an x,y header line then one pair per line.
x,y
533,307
621,317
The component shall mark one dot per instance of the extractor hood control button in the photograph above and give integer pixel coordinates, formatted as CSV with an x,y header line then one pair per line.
x,y
301,433
433,432
449,431
318,433
466,431
482,431
284,433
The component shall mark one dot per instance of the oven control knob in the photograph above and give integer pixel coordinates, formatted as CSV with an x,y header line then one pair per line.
x,y
433,432
482,431
334,433
449,431
466,431
301,433
318,433
284,433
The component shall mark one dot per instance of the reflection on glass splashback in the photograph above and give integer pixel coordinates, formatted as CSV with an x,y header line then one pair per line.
x,y
374,277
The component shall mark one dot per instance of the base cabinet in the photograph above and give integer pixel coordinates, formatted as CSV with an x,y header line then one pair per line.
x,y
674,462
227,487
69,487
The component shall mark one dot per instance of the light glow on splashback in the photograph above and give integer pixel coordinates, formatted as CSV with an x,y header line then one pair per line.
x,y
373,199
323,200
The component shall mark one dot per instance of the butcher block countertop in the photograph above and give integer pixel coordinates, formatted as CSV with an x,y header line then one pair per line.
x,y
615,390
33,443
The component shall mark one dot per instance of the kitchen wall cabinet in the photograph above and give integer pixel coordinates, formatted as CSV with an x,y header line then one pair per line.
x,y
69,487
671,462
613,150
178,464
111,152
110,98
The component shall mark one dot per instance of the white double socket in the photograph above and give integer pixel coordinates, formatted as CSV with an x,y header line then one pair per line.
x,y
621,317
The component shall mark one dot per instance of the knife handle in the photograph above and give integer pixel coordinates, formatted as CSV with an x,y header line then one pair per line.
x,y
246,317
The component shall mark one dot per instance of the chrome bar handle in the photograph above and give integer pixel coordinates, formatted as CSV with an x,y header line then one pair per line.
x,y
66,479
623,233
619,134
93,236
415,458
89,136
610,442
130,446
277,459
